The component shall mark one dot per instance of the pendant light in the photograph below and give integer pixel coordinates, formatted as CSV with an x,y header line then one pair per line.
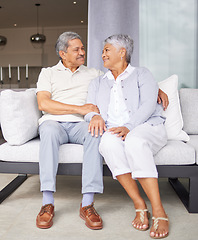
x,y
37,38
3,40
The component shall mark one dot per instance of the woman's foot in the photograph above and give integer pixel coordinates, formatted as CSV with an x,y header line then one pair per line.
x,y
160,228
141,221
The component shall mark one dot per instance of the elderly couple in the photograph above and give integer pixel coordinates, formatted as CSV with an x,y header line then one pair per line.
x,y
123,123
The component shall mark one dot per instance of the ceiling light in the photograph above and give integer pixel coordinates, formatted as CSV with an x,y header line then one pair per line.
x,y
37,38
15,25
3,40
74,2
82,21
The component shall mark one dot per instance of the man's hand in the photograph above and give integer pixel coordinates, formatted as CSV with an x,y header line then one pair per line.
x,y
87,108
120,131
97,126
162,97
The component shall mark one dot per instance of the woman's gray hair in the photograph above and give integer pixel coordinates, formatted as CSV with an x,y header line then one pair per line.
x,y
121,41
64,38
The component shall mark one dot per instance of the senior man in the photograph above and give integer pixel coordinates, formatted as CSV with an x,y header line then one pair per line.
x,y
61,95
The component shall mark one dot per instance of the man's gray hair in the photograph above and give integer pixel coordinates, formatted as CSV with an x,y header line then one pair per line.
x,y
64,38
121,41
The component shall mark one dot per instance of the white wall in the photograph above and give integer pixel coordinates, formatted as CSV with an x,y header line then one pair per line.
x,y
19,51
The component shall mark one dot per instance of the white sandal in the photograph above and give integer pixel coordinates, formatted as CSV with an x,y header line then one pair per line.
x,y
156,224
142,211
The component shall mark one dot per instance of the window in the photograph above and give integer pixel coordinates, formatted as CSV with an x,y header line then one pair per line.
x,y
168,39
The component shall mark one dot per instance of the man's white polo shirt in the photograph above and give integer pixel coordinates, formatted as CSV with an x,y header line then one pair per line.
x,y
66,87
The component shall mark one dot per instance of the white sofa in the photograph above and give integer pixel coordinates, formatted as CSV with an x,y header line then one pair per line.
x,y
19,151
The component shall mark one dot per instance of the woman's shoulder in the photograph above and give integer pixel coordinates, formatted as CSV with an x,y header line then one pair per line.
x,y
142,70
144,73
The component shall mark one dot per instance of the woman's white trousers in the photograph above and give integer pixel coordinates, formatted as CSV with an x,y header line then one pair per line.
x,y
135,154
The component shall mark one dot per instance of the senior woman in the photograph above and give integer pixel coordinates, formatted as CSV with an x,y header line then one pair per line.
x,y
133,128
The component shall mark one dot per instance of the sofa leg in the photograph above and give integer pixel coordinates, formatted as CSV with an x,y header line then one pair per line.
x,y
189,199
12,186
180,190
193,195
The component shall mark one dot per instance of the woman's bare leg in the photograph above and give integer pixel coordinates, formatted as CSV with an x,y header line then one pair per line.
x,y
131,188
151,188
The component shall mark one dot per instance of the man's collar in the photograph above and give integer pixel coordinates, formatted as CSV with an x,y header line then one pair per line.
x,y
59,66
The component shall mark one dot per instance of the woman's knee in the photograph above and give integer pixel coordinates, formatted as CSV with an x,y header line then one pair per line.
x,y
109,142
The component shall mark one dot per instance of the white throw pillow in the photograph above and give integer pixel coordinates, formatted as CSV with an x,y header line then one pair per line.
x,y
174,120
19,116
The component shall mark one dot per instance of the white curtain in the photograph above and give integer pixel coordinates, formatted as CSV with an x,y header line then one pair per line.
x,y
108,17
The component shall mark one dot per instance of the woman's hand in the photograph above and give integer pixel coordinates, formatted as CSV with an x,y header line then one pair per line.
x,y
97,126
120,131
162,97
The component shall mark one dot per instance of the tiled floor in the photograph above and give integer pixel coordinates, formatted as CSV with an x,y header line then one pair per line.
x,y
18,213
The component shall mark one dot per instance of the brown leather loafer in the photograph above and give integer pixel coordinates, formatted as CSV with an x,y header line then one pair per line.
x,y
45,216
91,217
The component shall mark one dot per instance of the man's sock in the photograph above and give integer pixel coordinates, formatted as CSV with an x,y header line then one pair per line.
x,y
87,199
48,197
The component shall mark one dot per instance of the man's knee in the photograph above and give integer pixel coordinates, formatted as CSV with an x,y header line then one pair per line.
x,y
94,141
49,128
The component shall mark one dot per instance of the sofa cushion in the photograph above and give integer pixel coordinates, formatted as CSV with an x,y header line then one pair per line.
x,y
29,152
175,153
16,89
19,116
188,101
174,121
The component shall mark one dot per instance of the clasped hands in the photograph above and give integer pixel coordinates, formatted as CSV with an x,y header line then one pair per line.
x,y
97,127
